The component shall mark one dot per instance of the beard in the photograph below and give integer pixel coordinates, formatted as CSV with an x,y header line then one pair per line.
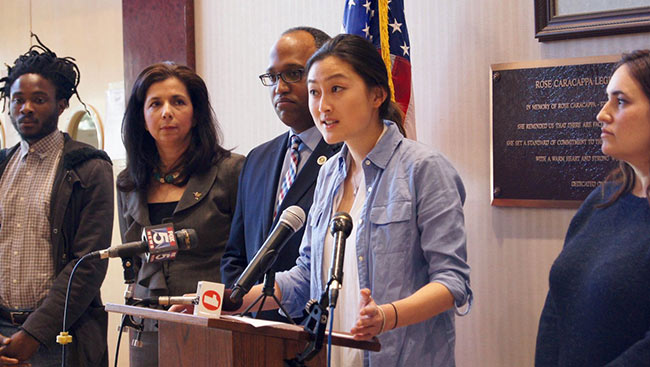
x,y
42,129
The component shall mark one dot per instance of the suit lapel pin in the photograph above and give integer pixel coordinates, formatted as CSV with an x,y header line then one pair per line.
x,y
321,160
197,195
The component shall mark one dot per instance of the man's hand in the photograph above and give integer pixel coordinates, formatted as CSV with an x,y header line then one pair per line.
x,y
20,347
4,341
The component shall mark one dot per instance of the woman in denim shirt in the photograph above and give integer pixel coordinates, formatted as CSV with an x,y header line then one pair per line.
x,y
405,263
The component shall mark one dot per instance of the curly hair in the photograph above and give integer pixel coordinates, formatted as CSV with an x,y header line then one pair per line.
x,y
61,71
142,156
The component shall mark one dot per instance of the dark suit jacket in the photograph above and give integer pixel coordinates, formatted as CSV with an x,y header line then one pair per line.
x,y
253,219
207,206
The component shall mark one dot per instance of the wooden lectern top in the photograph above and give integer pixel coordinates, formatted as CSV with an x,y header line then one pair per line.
x,y
277,330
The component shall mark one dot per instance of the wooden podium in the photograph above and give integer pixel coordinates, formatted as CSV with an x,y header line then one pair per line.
x,y
193,341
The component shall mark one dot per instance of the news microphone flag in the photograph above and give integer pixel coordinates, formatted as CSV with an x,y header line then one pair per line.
x,y
210,302
161,241
383,23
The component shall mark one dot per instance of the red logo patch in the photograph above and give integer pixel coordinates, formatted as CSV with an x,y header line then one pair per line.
x,y
211,300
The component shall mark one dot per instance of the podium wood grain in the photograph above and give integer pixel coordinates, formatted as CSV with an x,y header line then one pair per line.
x,y
192,341
217,347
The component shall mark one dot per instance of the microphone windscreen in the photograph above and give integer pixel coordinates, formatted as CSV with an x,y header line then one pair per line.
x,y
228,304
294,217
187,239
341,222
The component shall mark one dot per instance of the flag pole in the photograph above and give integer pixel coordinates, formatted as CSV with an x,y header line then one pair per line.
x,y
385,45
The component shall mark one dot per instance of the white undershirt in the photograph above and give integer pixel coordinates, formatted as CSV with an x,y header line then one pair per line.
x,y
347,308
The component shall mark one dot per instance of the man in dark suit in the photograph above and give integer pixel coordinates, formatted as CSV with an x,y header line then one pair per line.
x,y
281,172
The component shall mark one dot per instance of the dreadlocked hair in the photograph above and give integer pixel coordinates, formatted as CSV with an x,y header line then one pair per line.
x,y
61,71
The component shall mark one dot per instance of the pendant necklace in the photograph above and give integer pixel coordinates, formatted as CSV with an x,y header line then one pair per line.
x,y
166,178
356,182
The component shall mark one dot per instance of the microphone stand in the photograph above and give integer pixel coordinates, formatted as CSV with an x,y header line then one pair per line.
x,y
315,324
129,300
268,291
128,270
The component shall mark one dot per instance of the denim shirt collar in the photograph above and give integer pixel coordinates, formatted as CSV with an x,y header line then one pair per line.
x,y
381,153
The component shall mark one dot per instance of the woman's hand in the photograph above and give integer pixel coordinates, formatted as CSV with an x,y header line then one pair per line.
x,y
372,319
189,309
228,308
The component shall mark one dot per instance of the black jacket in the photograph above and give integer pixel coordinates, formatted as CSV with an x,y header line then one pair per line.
x,y
207,206
253,219
81,218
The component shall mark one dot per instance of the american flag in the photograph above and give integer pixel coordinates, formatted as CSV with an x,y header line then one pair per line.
x,y
365,18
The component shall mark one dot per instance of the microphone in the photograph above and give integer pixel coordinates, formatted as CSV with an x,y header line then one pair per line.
x,y
228,304
170,300
340,229
291,220
159,242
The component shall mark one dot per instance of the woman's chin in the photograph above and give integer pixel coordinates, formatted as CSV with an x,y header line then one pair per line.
x,y
607,150
332,138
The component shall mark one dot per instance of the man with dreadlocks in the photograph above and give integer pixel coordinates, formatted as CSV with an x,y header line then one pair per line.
x,y
56,205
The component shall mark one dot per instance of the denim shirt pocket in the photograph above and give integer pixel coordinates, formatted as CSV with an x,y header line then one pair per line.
x,y
390,227
315,216
317,224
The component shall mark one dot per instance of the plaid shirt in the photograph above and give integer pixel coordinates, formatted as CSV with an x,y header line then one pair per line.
x,y
26,264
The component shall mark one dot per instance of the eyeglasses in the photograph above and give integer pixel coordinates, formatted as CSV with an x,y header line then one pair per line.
x,y
289,76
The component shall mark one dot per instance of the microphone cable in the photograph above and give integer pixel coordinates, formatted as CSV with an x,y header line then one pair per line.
x,y
64,338
329,338
119,338
121,330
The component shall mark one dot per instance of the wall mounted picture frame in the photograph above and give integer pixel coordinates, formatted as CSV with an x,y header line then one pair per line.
x,y
552,23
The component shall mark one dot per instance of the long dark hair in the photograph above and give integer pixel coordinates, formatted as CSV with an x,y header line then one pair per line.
x,y
366,61
638,64
141,153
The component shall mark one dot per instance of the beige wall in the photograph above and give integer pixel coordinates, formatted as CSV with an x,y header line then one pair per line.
x,y
88,30
452,43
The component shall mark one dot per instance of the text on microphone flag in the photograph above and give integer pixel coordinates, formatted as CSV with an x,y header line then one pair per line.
x,y
161,237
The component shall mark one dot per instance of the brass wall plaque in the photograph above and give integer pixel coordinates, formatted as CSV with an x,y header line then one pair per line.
x,y
545,148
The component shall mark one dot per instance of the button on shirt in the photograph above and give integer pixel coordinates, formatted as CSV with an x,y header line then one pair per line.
x,y
412,233
26,264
